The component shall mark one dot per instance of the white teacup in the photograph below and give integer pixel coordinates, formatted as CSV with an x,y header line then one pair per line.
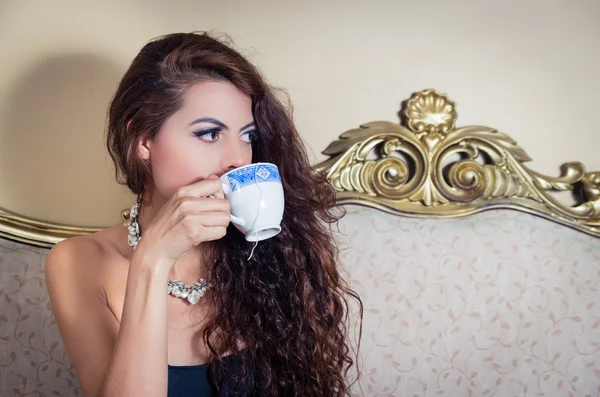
x,y
255,194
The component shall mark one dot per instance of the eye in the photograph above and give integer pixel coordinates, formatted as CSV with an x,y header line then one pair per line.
x,y
209,135
250,136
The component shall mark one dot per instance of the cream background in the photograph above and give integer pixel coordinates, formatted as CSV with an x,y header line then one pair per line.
x,y
526,68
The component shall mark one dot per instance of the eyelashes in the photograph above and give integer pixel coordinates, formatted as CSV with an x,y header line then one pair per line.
x,y
253,136
212,135
208,135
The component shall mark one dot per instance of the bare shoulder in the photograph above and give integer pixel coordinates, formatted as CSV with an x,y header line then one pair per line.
x,y
84,257
79,277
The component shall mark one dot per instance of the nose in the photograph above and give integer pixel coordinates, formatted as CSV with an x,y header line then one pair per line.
x,y
235,154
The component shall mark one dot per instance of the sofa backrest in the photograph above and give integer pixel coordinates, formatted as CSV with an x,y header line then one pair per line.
x,y
501,303
33,361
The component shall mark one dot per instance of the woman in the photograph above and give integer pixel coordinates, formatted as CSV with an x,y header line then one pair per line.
x,y
188,110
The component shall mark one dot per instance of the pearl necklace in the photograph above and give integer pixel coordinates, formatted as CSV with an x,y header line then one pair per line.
x,y
192,293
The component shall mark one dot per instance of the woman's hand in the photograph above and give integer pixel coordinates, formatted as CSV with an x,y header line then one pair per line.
x,y
189,218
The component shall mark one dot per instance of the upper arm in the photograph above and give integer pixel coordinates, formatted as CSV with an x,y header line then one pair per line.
x,y
86,323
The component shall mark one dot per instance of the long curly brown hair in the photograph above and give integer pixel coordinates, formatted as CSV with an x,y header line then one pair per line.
x,y
288,303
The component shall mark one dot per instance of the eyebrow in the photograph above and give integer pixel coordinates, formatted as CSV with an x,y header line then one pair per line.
x,y
250,124
219,123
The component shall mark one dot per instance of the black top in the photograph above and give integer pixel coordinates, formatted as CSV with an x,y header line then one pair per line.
x,y
193,380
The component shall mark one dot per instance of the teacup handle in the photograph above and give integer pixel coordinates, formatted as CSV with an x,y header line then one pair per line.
x,y
234,219
237,221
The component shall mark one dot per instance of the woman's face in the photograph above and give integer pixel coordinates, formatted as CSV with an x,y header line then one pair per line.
x,y
210,134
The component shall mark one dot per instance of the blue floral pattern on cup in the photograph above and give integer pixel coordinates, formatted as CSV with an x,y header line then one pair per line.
x,y
254,173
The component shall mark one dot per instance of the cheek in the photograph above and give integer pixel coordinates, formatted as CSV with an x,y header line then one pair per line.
x,y
176,164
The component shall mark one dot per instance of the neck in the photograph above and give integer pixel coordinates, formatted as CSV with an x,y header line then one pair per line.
x,y
189,268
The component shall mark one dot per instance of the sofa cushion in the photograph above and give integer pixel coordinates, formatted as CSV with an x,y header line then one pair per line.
x,y
33,361
494,304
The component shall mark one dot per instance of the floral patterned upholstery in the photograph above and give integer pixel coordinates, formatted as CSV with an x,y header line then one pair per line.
x,y
33,361
501,303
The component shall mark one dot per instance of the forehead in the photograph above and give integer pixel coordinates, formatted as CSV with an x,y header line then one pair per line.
x,y
218,99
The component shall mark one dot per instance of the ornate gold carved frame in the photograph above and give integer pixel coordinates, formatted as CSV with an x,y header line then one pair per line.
x,y
428,167
423,167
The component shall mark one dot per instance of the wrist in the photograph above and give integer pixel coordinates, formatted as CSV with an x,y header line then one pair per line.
x,y
149,264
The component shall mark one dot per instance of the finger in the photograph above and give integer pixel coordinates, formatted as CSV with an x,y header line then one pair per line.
x,y
213,219
198,206
214,233
220,193
195,223
203,228
202,188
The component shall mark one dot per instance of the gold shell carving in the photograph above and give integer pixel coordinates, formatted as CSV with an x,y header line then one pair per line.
x,y
426,166
423,167
430,112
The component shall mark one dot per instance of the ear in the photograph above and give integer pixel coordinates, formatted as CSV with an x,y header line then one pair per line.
x,y
143,148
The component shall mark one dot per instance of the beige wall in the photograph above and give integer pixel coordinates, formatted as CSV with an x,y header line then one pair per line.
x,y
526,68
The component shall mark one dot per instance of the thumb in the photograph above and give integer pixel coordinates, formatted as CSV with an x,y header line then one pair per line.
x,y
219,193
